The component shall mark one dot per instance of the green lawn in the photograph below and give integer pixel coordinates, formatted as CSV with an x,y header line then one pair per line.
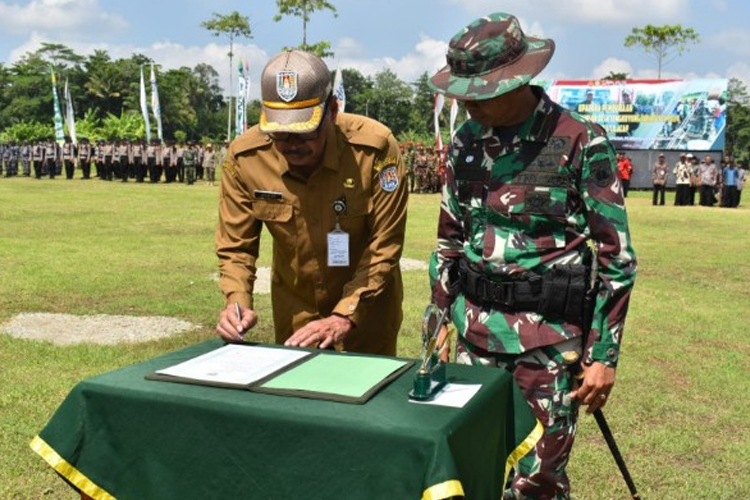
x,y
90,247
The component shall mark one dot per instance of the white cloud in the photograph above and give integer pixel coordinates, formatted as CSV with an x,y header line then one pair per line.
x,y
55,18
735,41
428,55
171,55
348,47
720,5
612,65
741,71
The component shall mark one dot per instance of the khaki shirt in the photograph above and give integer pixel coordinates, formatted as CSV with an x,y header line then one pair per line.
x,y
361,163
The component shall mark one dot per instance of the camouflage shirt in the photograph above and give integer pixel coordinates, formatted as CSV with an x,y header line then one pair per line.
x,y
524,203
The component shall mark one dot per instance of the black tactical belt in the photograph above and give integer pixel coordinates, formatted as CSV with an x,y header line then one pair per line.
x,y
520,295
556,295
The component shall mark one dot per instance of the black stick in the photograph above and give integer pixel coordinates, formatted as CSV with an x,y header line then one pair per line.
x,y
610,439
577,370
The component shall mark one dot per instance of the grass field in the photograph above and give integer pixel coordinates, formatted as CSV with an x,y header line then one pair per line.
x,y
679,410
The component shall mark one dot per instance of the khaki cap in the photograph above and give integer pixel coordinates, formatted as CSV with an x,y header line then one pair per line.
x,y
294,87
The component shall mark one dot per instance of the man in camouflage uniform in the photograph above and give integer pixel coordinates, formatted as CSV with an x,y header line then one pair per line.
x,y
528,186
421,169
435,170
408,156
189,161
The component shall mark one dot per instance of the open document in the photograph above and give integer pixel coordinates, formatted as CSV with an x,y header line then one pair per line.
x,y
349,378
234,364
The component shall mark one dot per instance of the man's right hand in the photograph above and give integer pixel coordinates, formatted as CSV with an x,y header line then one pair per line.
x,y
231,328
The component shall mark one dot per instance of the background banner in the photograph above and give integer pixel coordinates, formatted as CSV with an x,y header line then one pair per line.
x,y
650,114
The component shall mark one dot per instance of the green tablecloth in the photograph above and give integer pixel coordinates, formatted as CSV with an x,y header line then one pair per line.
x,y
120,436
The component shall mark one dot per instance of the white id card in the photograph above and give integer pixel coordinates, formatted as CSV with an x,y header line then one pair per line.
x,y
338,249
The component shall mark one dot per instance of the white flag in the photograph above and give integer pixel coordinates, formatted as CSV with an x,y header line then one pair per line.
x,y
144,108
454,115
240,103
247,91
70,119
338,90
155,104
439,103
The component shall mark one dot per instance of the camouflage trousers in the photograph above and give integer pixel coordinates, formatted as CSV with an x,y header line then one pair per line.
x,y
546,383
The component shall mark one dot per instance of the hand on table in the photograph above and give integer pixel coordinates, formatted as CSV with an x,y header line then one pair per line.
x,y
321,333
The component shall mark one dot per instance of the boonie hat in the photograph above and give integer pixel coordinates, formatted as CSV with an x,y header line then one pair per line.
x,y
489,57
294,87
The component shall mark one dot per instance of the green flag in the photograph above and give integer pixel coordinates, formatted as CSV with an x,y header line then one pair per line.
x,y
59,132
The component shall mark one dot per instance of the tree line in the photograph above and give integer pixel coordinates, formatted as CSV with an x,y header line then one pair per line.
x,y
106,98
106,95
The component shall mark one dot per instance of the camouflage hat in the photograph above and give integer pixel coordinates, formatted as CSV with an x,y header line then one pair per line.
x,y
489,57
294,88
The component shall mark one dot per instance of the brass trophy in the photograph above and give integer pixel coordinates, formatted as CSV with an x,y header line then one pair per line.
x,y
430,377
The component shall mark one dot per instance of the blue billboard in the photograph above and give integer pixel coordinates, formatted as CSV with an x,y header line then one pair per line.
x,y
650,114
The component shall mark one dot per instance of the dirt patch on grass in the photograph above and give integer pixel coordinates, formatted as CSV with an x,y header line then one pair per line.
x,y
65,329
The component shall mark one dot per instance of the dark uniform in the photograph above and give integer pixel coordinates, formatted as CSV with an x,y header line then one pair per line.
x,y
85,155
69,158
190,162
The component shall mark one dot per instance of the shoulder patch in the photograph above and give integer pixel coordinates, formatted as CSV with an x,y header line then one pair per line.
x,y
601,172
389,178
380,164
229,168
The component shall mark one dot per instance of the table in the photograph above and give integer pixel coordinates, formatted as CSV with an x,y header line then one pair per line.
x,y
119,436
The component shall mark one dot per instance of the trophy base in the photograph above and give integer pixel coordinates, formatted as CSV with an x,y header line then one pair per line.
x,y
428,384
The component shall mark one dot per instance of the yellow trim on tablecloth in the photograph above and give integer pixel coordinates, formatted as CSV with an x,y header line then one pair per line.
x,y
522,449
68,471
444,490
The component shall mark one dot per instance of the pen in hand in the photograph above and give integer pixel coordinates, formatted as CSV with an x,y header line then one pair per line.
x,y
238,312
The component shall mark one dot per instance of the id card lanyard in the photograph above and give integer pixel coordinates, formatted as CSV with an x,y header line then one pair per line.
x,y
338,239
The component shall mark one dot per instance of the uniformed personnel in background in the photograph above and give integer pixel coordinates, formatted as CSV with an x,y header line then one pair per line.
x,y
529,185
51,159
421,169
84,157
24,155
153,161
136,159
209,163
69,157
190,162
329,187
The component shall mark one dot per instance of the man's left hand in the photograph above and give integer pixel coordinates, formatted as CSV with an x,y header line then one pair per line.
x,y
598,380
321,333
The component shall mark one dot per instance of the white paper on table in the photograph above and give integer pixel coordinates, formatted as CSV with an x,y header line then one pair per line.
x,y
454,395
235,364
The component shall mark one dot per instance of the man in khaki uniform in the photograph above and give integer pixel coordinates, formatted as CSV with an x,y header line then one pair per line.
x,y
330,189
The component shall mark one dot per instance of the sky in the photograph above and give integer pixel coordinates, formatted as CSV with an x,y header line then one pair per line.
x,y
408,37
